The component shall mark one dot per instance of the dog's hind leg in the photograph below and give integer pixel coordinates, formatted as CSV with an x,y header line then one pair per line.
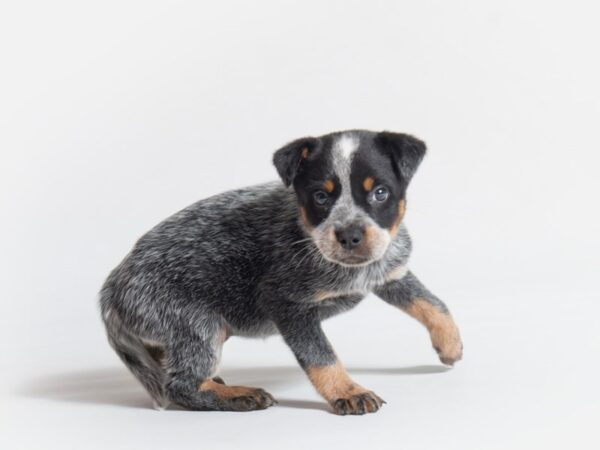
x,y
192,363
142,362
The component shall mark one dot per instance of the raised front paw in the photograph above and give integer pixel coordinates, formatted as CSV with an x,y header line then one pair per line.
x,y
357,404
447,343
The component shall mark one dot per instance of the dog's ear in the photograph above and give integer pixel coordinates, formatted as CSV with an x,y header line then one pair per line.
x,y
405,151
288,160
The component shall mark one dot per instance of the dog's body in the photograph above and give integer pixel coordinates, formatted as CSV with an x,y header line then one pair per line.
x,y
268,259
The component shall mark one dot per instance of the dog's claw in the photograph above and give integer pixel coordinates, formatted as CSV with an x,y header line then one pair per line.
x,y
358,404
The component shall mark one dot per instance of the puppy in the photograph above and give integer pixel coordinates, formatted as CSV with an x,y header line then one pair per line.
x,y
274,258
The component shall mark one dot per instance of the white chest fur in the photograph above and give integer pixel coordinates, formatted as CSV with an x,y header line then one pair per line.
x,y
363,284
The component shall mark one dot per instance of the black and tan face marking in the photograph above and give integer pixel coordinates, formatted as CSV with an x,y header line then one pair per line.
x,y
351,189
375,186
318,188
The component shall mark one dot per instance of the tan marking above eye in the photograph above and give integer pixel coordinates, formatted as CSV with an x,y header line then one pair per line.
x,y
329,186
304,153
368,183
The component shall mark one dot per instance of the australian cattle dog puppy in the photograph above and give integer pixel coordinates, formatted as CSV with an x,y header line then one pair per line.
x,y
274,258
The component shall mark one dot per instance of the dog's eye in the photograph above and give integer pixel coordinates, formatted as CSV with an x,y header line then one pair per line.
x,y
381,194
321,198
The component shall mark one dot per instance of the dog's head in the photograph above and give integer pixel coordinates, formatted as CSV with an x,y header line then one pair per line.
x,y
351,189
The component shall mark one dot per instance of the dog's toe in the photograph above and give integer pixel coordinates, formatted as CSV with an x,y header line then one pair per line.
x,y
358,404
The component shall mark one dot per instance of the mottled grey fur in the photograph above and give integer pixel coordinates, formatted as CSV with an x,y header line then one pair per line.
x,y
239,263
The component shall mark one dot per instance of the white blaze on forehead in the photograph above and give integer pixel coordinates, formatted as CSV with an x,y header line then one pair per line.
x,y
344,210
346,145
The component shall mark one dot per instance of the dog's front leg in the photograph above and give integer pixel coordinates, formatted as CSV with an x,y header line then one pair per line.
x,y
412,297
301,330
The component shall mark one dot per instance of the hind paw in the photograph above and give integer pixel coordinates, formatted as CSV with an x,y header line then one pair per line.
x,y
238,398
252,399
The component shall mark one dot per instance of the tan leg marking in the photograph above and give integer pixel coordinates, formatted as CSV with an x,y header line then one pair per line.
x,y
345,396
401,211
238,398
333,382
225,392
444,333
368,183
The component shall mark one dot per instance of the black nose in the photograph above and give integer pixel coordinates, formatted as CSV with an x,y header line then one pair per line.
x,y
350,237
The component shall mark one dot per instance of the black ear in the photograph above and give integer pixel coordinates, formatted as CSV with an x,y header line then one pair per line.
x,y
288,160
405,151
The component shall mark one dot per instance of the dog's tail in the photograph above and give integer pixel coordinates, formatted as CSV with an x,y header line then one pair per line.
x,y
141,358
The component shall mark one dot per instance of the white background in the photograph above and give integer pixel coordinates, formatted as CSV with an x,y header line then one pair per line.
x,y
114,115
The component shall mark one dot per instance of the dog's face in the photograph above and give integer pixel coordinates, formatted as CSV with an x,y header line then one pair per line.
x,y
351,189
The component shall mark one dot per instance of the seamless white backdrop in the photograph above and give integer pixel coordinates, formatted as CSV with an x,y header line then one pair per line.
x,y
114,115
